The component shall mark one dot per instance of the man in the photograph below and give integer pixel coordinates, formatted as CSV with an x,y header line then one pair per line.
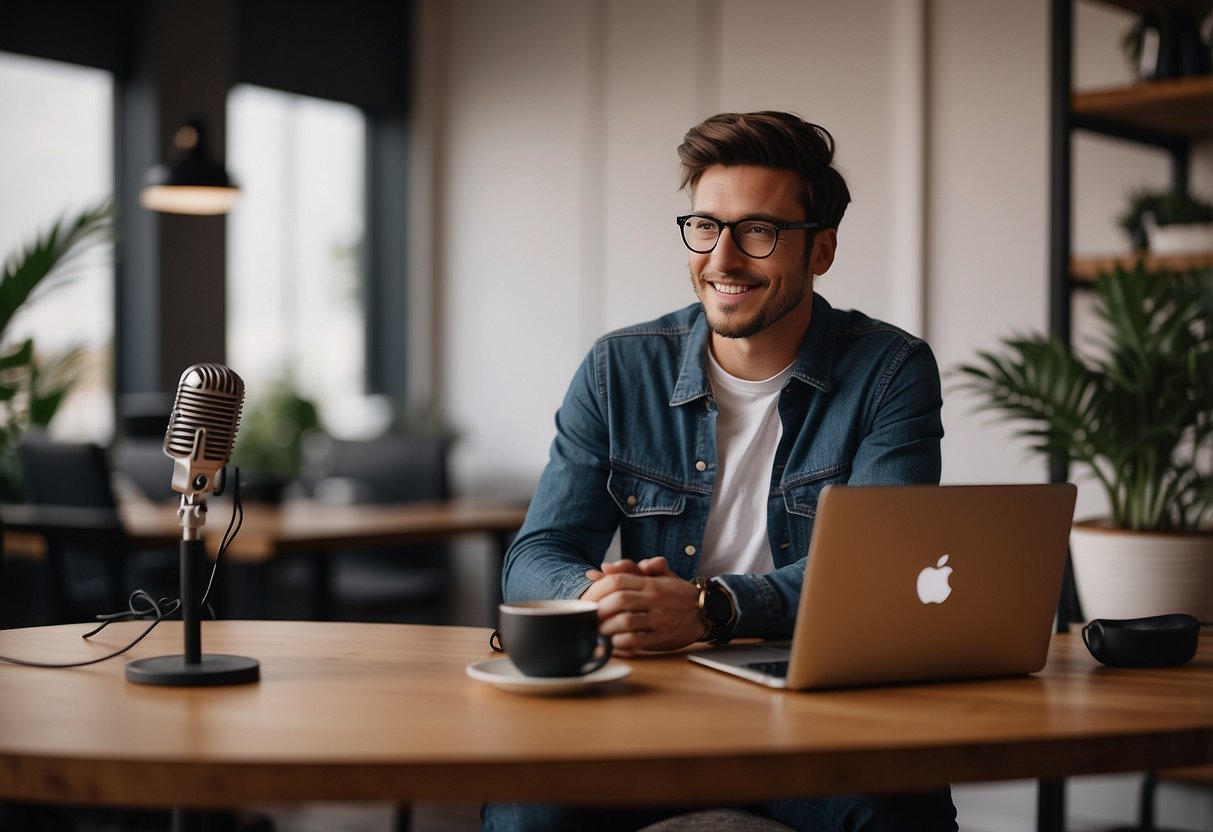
x,y
706,436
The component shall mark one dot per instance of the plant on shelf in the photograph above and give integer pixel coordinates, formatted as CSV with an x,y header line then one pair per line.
x,y
1138,415
1166,42
1151,209
32,386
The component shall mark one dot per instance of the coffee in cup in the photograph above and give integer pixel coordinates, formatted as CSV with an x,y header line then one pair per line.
x,y
551,638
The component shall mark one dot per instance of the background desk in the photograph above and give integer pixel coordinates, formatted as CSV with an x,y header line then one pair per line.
x,y
271,530
385,712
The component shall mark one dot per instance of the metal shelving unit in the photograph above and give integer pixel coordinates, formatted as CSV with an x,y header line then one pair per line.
x,y
1167,114
1170,115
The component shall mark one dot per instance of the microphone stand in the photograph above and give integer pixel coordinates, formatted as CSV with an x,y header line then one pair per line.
x,y
192,668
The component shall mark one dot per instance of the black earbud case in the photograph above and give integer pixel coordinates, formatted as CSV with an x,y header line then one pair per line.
x,y
1156,641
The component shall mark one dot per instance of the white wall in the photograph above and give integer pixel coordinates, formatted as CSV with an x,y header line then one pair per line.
x,y
555,180
547,131
987,191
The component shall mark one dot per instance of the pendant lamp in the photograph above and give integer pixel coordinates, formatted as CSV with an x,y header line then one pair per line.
x,y
193,182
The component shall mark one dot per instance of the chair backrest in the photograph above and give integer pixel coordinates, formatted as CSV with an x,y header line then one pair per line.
x,y
142,462
85,551
144,415
393,468
137,453
66,473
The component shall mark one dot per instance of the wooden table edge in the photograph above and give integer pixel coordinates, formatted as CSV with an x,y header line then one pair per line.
x,y
633,781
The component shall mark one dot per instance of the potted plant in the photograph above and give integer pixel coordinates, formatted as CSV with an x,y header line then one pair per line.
x,y
1169,221
1166,42
1137,414
269,445
33,386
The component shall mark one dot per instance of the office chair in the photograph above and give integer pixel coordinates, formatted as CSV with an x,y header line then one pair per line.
x,y
402,584
89,558
140,463
69,485
137,454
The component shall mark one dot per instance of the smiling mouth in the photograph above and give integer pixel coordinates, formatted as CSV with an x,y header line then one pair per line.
x,y
730,288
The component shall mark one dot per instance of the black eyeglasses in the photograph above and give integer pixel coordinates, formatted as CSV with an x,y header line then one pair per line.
x,y
756,238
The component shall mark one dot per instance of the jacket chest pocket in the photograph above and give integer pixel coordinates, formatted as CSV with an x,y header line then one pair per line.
x,y
801,499
640,497
658,519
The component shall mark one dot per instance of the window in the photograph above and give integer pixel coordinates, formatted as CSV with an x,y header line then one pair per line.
x,y
56,159
295,312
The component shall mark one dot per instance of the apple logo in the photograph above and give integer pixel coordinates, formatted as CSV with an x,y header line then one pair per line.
x,y
933,587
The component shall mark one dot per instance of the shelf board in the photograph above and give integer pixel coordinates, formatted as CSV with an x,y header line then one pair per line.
x,y
1087,269
1177,107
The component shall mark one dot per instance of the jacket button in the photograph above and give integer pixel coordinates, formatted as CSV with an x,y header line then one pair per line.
x,y
632,501
690,550
700,465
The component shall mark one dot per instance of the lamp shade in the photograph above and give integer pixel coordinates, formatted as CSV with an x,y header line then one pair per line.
x,y
193,183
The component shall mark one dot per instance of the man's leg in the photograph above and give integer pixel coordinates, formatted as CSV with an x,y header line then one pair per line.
x,y
545,817
917,812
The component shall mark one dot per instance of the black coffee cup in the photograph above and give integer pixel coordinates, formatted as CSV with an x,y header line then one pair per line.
x,y
551,638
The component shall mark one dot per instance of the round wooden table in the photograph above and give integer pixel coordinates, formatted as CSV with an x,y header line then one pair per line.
x,y
386,712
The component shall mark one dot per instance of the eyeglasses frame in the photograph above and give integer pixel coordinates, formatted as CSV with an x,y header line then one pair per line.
x,y
778,225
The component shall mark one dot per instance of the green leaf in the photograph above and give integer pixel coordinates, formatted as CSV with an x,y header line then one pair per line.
x,y
48,256
51,382
1139,413
31,392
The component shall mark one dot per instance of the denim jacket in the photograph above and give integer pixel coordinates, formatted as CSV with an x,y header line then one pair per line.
x,y
635,450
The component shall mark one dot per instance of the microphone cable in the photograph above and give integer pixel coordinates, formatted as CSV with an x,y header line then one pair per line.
x,y
153,608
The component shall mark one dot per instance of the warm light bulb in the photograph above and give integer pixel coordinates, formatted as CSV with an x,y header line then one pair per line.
x,y
188,199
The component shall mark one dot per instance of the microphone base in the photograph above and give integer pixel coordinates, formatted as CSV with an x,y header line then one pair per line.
x,y
175,671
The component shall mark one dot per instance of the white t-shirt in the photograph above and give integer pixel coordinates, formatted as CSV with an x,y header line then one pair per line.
x,y
748,431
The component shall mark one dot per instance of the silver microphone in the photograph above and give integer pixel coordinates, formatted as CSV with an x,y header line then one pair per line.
x,y
202,427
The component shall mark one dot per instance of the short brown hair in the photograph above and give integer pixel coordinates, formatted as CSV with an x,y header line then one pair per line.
x,y
772,140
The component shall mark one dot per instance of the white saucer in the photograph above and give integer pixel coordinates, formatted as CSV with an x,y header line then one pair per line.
x,y
502,673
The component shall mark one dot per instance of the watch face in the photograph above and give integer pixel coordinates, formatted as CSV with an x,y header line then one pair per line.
x,y
716,606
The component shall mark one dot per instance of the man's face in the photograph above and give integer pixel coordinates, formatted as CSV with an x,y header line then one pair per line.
x,y
742,296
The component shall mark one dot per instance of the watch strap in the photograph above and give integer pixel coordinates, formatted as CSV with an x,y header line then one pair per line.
x,y
717,611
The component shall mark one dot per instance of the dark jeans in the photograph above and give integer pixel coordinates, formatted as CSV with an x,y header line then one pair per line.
x,y
918,812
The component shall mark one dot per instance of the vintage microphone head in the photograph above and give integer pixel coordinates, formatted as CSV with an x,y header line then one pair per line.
x,y
202,427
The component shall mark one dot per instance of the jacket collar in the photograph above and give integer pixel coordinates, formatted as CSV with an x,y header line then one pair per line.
x,y
813,364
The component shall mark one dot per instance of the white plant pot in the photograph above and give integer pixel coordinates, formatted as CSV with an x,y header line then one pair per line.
x,y
1196,238
1126,574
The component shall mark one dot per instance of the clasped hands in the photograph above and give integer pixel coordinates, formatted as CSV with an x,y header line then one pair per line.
x,y
643,606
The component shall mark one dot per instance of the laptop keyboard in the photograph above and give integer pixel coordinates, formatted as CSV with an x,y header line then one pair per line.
x,y
769,668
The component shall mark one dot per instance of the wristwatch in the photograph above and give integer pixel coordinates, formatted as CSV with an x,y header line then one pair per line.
x,y
716,610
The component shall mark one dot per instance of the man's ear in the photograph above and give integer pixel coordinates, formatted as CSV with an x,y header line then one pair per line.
x,y
825,243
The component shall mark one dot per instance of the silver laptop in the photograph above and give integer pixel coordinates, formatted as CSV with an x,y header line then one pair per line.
x,y
919,583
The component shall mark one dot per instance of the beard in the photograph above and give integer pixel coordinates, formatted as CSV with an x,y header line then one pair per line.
x,y
736,323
